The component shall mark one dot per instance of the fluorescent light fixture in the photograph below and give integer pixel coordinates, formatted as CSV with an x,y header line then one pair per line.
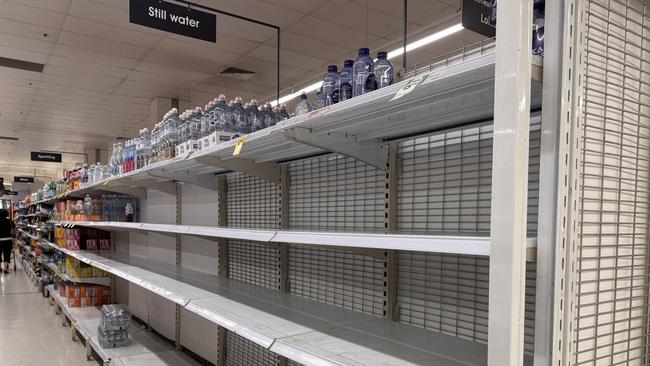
x,y
426,40
409,47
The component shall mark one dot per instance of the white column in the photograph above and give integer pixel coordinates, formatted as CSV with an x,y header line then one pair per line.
x,y
510,183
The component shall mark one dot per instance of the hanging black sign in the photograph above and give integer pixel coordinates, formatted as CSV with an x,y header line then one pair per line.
x,y
174,18
46,156
23,179
7,192
480,16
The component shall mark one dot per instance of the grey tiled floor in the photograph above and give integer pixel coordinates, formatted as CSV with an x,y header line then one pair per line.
x,y
30,332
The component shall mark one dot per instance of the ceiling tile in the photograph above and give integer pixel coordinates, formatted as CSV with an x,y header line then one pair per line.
x,y
111,32
31,14
325,31
86,67
94,56
101,45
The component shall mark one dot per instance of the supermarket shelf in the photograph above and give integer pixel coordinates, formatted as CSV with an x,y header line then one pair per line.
x,y
27,234
308,332
448,97
469,245
142,346
104,281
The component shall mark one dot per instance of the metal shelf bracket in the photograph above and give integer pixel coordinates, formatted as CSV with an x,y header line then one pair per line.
x,y
266,171
372,152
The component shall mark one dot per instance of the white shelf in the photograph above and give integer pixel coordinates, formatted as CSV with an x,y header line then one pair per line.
x,y
27,234
457,94
468,245
309,332
104,281
142,346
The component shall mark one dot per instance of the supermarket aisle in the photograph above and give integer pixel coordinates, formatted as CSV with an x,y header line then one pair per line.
x,y
30,332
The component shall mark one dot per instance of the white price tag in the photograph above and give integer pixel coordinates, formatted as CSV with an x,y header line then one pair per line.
x,y
410,85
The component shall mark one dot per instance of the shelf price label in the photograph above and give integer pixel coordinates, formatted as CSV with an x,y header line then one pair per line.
x,y
239,145
410,86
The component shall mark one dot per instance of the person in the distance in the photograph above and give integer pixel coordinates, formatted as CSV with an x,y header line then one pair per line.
x,y
6,239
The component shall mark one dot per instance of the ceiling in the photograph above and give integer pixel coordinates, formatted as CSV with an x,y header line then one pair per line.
x,y
101,72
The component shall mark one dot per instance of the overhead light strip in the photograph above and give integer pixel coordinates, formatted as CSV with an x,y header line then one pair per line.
x,y
392,54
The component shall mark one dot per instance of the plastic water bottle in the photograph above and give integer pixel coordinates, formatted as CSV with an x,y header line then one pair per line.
x,y
283,114
331,85
242,123
320,100
220,113
303,105
269,117
361,72
205,119
196,123
383,70
257,120
345,89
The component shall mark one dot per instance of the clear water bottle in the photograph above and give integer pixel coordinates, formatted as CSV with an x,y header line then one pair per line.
x,y
242,123
196,123
206,119
257,121
361,72
283,114
173,128
303,105
270,118
331,85
220,112
320,100
345,89
383,70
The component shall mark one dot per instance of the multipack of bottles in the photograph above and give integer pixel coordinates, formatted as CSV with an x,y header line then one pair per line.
x,y
113,329
355,78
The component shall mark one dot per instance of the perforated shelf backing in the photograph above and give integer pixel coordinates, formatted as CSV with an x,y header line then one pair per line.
x,y
341,278
444,184
242,352
252,202
334,192
448,294
611,322
254,263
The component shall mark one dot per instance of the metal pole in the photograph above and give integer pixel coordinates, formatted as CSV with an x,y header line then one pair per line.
x,y
548,181
404,35
509,183
278,68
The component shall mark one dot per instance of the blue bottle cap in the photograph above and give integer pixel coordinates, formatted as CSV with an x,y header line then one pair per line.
x,y
382,55
332,68
364,51
348,63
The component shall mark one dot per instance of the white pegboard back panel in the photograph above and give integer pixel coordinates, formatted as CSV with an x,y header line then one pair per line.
x,y
199,254
158,208
338,277
334,192
199,206
612,265
445,179
199,336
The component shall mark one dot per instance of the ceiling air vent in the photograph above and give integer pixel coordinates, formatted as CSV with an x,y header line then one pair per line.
x,y
237,73
21,65
9,138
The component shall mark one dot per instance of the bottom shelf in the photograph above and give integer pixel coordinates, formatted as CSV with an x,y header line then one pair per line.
x,y
145,348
